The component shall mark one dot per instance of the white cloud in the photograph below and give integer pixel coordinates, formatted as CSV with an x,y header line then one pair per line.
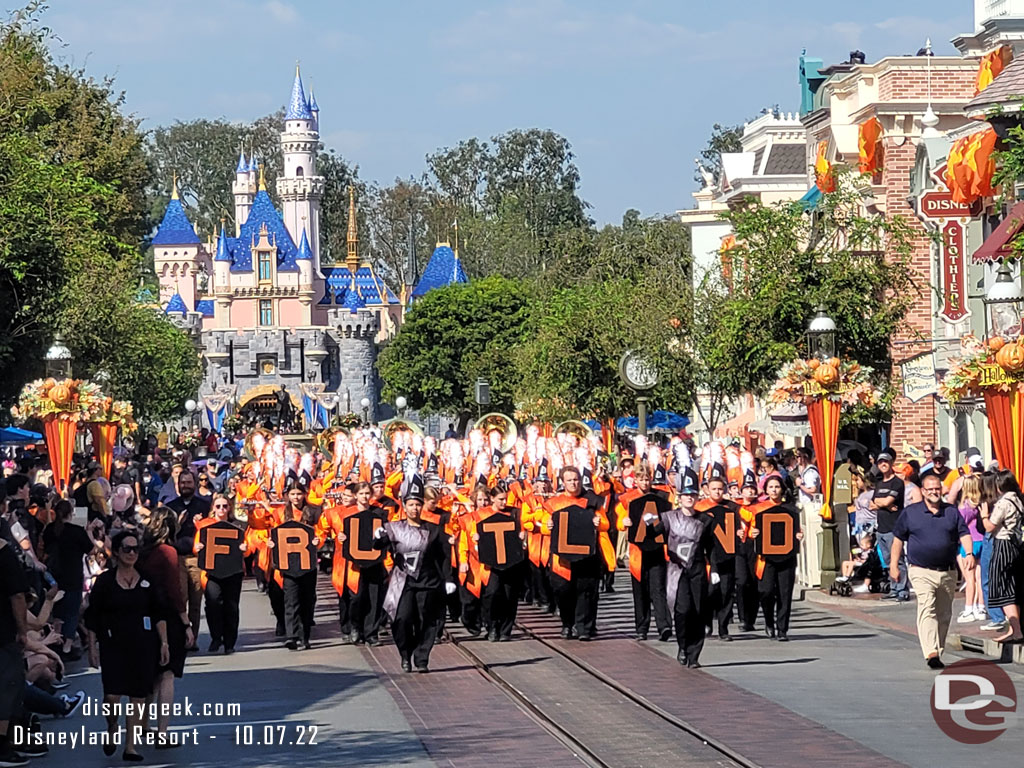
x,y
282,12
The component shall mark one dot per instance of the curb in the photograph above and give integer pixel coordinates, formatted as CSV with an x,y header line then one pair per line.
x,y
1004,654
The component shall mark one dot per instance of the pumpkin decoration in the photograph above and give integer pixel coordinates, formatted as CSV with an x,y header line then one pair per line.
x,y
48,384
60,393
813,363
1011,357
996,343
826,374
834,362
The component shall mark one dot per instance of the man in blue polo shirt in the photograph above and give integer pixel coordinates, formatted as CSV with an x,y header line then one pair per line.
x,y
931,530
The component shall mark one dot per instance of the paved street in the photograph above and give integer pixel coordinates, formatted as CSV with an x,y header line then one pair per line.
x,y
842,686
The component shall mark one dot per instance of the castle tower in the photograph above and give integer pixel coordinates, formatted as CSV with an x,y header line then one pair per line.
x,y
304,260
244,189
298,187
222,281
176,253
352,239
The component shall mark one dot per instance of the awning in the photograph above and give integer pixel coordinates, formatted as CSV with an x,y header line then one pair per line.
x,y
999,245
11,435
810,199
789,419
738,425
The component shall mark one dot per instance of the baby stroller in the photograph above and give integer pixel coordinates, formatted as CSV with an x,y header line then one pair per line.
x,y
866,571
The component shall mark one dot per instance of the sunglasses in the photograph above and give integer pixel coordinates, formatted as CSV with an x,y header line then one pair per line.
x,y
129,548
221,505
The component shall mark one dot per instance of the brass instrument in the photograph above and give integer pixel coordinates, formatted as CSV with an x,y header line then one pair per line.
x,y
324,441
248,445
502,423
391,427
574,427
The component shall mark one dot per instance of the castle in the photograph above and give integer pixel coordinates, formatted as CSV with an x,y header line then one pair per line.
x,y
264,309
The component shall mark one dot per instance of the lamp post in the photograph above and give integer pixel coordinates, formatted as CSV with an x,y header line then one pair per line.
x,y
191,406
400,403
821,335
58,359
365,404
1003,302
821,343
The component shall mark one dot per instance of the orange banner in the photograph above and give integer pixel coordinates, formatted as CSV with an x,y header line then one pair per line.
x,y
870,146
824,176
60,445
104,435
1006,422
823,415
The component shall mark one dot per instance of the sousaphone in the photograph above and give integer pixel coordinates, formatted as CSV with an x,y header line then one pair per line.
x,y
389,428
325,441
490,422
248,444
574,427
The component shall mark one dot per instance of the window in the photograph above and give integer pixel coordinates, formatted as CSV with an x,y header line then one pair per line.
x,y
266,312
265,268
298,171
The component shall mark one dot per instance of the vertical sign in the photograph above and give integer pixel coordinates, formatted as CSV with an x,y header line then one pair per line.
x,y
954,293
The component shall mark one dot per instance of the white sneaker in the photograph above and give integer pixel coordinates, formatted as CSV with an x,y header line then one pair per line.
x,y
980,614
861,589
966,617
994,626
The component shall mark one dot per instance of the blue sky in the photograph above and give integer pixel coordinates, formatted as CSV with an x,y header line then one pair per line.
x,y
634,84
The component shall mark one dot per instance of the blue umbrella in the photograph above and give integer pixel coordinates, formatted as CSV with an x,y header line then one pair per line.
x,y
594,424
16,435
668,421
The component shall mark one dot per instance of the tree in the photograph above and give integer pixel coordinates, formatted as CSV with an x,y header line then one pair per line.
x,y
399,221
338,177
750,319
724,139
451,337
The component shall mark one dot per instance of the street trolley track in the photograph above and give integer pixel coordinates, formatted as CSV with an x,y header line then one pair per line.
x,y
642,701
535,713
567,736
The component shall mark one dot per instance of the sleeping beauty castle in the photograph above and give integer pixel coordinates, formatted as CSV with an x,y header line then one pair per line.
x,y
264,310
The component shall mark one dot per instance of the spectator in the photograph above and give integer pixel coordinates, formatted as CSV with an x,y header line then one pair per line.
x,y
66,546
205,487
863,513
159,563
96,494
970,507
929,531
887,501
807,479
989,496
451,434
1004,523
127,617
938,468
126,473
191,508
929,452
13,636
169,491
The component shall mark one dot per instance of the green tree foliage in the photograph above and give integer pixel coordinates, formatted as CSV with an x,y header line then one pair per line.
x,y
72,215
513,197
452,336
750,319
724,139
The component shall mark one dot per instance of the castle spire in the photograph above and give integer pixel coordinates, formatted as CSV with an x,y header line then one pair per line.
x,y
242,166
174,185
263,183
298,106
352,257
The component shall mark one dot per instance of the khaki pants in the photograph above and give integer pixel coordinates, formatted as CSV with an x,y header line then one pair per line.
x,y
192,590
935,590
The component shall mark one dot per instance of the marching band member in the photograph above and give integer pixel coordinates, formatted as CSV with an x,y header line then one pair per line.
x,y
344,573
647,568
499,599
538,538
473,576
723,564
746,598
298,592
367,610
415,596
778,575
222,596
689,547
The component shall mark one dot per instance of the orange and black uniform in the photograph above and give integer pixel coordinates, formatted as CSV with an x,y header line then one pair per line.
x,y
222,597
721,595
576,585
299,592
499,598
777,580
344,573
746,598
648,569
538,547
367,611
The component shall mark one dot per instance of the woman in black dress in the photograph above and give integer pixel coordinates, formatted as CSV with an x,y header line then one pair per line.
x,y
126,615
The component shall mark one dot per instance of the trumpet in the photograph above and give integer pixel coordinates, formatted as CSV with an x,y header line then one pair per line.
x,y
490,422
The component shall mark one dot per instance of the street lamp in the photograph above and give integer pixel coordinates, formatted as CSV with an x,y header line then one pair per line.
x,y
821,336
191,406
400,403
58,359
365,403
1003,301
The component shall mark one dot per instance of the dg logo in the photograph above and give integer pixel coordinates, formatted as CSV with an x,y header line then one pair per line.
x,y
973,701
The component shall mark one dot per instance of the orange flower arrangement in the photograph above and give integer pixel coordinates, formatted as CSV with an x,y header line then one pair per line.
x,y
73,399
997,363
846,382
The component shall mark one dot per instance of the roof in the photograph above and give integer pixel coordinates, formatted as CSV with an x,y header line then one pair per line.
x,y
243,166
442,269
786,159
176,305
338,281
810,199
263,212
298,107
305,252
313,106
1007,87
205,307
223,254
175,228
